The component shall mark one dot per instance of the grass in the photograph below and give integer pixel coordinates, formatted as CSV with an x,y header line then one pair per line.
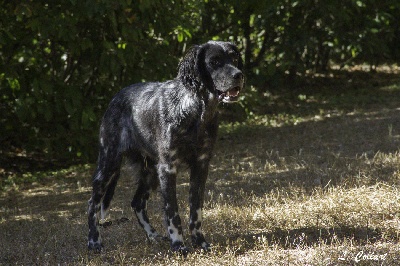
x,y
317,184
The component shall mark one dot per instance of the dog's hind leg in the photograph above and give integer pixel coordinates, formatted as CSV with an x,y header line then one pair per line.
x,y
105,204
146,183
104,181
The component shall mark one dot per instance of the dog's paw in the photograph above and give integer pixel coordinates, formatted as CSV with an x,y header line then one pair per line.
x,y
198,242
95,246
180,248
204,246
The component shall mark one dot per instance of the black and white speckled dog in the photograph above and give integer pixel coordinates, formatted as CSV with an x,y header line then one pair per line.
x,y
157,126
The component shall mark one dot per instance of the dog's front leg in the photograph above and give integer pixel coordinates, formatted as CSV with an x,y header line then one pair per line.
x,y
198,177
167,176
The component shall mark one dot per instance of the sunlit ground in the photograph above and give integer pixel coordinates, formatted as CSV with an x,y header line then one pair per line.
x,y
320,191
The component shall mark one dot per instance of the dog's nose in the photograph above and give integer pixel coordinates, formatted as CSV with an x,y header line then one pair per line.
x,y
238,75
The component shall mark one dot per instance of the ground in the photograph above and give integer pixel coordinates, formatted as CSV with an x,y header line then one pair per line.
x,y
312,178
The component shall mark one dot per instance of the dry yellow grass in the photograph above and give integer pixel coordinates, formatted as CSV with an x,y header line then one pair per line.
x,y
322,191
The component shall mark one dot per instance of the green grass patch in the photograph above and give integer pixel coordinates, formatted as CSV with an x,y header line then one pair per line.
x,y
16,181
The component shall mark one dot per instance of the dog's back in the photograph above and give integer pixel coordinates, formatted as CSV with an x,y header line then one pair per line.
x,y
138,115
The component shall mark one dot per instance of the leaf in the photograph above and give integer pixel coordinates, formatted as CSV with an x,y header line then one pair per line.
x,y
180,37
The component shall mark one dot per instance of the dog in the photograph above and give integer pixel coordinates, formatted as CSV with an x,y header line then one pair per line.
x,y
159,125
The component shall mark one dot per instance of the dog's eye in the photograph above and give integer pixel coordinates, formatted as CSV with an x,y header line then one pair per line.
x,y
235,61
215,62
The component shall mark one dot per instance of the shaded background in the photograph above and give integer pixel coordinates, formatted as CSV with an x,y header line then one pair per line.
x,y
62,61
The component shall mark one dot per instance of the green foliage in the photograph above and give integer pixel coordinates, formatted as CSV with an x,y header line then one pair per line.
x,y
61,61
300,36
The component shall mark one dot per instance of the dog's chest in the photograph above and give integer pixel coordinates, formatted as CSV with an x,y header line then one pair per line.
x,y
187,137
188,142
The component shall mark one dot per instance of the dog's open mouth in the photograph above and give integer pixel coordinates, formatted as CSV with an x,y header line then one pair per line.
x,y
229,96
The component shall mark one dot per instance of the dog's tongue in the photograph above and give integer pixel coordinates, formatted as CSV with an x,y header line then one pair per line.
x,y
233,93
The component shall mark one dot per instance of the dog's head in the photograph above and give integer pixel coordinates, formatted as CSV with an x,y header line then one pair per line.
x,y
215,66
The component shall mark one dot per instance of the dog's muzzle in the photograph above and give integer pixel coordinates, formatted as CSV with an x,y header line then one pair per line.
x,y
230,96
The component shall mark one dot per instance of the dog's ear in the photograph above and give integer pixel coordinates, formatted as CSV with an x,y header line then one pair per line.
x,y
187,69
192,70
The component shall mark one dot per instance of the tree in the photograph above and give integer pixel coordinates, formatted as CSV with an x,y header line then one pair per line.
x,y
62,61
